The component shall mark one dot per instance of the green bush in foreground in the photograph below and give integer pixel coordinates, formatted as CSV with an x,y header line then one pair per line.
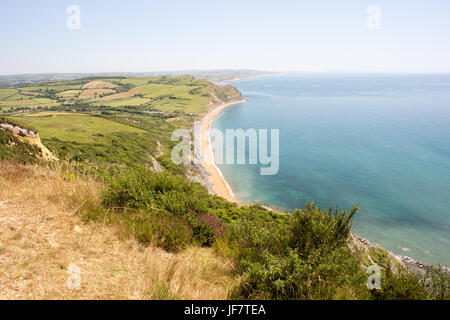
x,y
165,208
306,259
143,189
314,229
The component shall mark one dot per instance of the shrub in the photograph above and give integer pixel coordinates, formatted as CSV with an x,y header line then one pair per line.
x,y
255,239
379,256
206,228
412,286
139,188
438,283
313,228
172,233
301,256
404,286
286,277
132,189
168,232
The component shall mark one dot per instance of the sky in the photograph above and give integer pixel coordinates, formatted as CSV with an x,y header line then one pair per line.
x,y
168,35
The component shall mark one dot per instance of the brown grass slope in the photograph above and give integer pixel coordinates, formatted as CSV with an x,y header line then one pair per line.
x,y
41,236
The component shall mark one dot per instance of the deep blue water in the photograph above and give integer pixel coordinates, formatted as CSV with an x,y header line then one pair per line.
x,y
382,141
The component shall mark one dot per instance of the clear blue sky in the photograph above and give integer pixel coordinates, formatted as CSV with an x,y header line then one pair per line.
x,y
157,35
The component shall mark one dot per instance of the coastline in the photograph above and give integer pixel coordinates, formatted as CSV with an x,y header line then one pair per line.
x,y
215,177
247,77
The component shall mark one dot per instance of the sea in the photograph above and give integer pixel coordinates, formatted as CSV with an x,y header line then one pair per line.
x,y
381,141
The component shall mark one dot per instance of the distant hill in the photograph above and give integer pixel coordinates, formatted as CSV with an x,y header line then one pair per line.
x,y
212,75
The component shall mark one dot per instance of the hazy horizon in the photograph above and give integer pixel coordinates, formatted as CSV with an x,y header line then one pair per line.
x,y
212,70
159,36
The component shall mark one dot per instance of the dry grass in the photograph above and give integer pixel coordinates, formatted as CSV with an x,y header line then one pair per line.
x,y
99,85
41,236
19,103
32,93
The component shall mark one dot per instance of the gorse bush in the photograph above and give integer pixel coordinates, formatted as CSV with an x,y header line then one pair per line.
x,y
290,276
313,228
143,189
305,258
133,189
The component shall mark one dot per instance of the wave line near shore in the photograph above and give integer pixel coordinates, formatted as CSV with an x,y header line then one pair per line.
x,y
216,179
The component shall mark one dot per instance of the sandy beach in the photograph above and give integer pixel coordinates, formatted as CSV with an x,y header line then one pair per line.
x,y
216,179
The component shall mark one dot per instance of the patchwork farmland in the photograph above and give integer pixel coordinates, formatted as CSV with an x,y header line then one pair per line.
x,y
95,119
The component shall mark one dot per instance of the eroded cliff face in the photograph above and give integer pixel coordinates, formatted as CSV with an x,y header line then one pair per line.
x,y
22,132
223,94
28,135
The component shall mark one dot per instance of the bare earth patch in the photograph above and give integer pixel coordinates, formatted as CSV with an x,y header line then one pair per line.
x,y
99,85
32,93
41,236
19,103
69,93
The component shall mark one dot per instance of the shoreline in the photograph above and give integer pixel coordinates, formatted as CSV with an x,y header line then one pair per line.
x,y
215,177
247,77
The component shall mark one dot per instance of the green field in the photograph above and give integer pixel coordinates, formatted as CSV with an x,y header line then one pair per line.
x,y
133,101
17,96
19,102
61,88
5,93
137,81
68,127
34,88
44,100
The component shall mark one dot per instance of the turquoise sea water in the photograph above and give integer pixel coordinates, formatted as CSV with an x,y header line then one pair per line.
x,y
382,141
